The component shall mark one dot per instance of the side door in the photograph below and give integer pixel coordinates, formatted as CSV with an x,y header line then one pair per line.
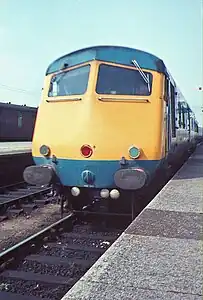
x,y
170,114
173,115
167,123
189,123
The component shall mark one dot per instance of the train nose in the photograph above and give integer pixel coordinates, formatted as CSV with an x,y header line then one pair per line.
x,y
130,179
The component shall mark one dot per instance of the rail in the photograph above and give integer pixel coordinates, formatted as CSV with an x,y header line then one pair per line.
x,y
20,197
51,261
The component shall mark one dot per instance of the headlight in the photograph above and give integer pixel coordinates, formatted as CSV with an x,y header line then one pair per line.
x,y
44,150
134,152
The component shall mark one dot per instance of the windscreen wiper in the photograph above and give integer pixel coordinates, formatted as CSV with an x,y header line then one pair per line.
x,y
145,77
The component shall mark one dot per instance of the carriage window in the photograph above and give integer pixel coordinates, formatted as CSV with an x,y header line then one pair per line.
x,y
184,119
72,82
121,81
20,120
179,115
192,123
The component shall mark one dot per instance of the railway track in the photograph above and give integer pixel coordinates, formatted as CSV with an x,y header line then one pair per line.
x,y
47,264
21,198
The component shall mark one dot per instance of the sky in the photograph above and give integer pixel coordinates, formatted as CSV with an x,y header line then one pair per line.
x,y
34,33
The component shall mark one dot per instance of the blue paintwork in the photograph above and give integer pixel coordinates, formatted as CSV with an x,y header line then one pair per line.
x,y
114,54
70,171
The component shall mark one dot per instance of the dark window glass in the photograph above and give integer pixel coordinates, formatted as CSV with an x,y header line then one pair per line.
x,y
73,82
166,91
121,81
179,114
192,123
188,120
183,114
173,111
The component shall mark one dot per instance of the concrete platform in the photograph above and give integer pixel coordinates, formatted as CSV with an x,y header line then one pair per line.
x,y
159,256
9,148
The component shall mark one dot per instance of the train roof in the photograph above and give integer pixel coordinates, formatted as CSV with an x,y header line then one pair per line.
x,y
114,54
17,107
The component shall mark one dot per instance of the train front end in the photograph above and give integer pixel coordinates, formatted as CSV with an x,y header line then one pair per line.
x,y
99,128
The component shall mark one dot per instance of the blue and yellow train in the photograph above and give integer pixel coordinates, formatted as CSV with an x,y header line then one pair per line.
x,y
109,118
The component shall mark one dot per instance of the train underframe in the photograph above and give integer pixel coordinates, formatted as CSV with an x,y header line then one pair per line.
x,y
127,199
129,202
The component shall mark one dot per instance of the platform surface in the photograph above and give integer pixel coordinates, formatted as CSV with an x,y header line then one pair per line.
x,y
7,148
159,256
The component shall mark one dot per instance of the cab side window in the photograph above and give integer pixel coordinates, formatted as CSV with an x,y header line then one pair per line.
x,y
166,93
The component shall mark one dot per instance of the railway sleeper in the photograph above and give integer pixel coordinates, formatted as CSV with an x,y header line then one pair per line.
x,y
55,260
42,278
15,211
29,206
3,218
42,201
14,296
76,248
48,270
110,238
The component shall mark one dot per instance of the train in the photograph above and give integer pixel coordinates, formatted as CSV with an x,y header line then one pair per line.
x,y
109,118
16,122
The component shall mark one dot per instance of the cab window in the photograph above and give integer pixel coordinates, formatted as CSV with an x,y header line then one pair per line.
x,y
71,82
122,81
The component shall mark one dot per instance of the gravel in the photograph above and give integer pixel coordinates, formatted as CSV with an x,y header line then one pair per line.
x,y
15,230
72,270
33,288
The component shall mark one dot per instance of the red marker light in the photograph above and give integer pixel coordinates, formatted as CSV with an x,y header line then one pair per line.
x,y
86,150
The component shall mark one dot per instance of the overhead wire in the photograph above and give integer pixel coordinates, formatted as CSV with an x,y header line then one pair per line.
x,y
18,90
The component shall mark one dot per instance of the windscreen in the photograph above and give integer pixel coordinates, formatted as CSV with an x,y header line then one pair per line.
x,y
71,82
122,81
